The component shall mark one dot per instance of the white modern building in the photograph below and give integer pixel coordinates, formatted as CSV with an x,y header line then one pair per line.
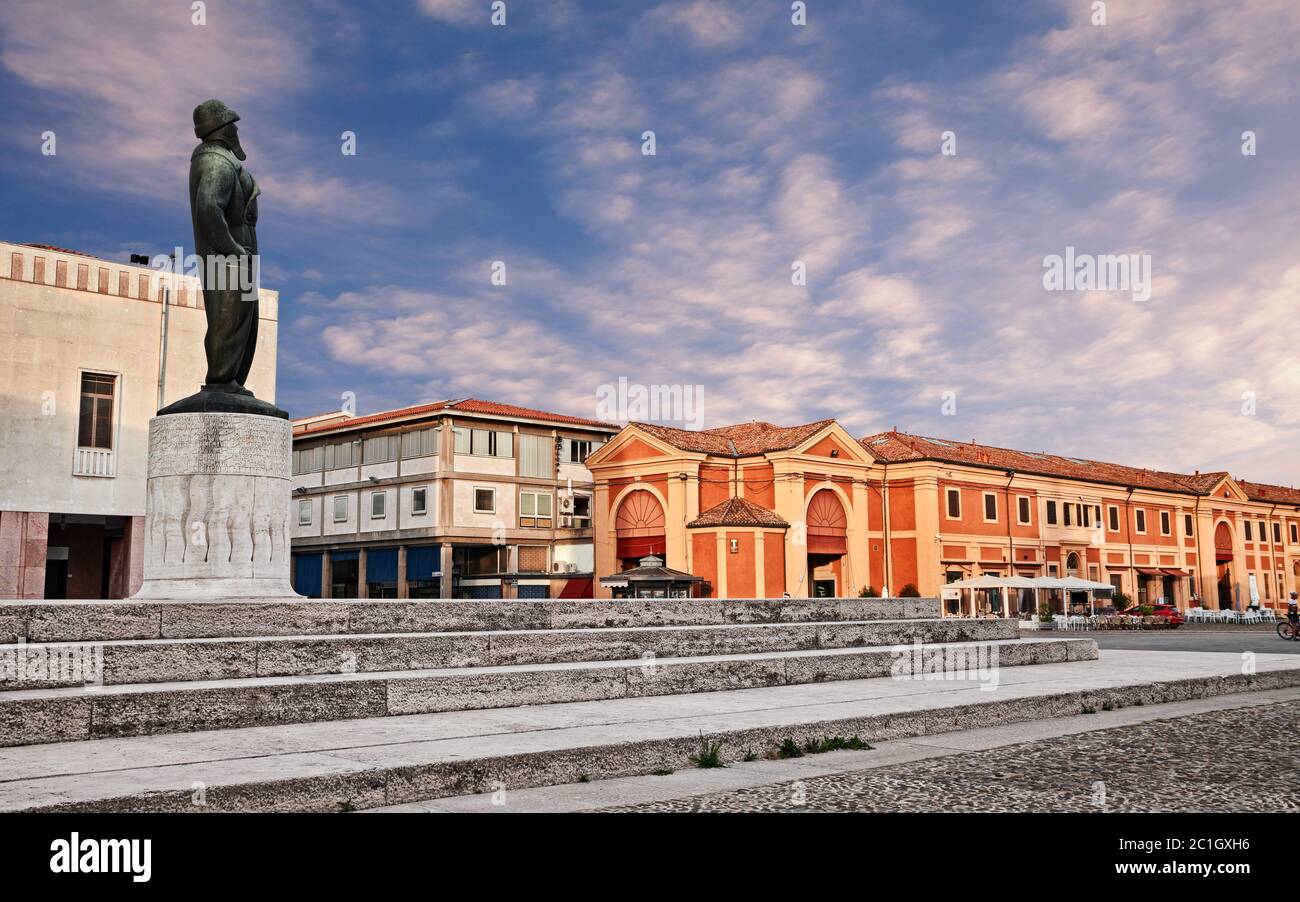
x,y
455,499
90,349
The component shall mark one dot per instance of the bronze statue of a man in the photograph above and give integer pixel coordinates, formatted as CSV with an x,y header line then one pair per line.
x,y
223,208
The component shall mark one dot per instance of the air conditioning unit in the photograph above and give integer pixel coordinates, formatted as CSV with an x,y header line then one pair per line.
x,y
566,504
557,567
570,567
566,522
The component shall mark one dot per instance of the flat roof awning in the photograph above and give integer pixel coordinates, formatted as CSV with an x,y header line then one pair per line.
x,y
1150,571
1170,571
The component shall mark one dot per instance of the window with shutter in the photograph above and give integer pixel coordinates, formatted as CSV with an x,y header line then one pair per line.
x,y
95,428
536,456
533,559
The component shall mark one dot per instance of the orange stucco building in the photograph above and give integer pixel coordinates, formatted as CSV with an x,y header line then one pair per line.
x,y
758,510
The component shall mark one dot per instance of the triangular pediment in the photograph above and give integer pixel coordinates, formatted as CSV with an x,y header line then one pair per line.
x,y
629,445
832,441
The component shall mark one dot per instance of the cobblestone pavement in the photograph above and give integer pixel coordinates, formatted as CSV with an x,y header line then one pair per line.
x,y
1240,759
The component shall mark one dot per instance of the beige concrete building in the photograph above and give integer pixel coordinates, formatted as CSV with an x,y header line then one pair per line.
x,y
455,499
90,351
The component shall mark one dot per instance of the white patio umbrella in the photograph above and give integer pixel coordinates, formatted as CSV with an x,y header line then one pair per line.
x,y
1075,584
979,582
1021,582
988,581
975,582
1051,582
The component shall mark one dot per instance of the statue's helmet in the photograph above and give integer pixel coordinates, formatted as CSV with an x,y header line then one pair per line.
x,y
211,115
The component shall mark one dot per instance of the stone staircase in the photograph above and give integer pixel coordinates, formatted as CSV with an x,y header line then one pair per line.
x,y
317,704
155,668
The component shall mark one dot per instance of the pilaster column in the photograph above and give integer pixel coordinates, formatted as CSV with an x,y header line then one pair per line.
x,y
676,539
789,495
859,560
722,563
603,539
928,559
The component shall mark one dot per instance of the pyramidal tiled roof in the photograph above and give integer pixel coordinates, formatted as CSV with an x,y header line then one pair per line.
x,y
737,512
740,440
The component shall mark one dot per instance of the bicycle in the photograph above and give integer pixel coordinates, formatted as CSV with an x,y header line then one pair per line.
x,y
1288,630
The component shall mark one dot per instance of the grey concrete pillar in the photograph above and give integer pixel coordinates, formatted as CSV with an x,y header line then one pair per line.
x,y
403,591
444,585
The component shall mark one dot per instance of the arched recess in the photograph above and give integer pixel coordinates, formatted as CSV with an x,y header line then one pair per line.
x,y
1223,542
639,526
1226,590
827,524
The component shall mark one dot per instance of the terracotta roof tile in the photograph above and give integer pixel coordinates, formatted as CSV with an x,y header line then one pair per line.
x,y
894,447
1276,494
737,512
1201,483
740,440
466,405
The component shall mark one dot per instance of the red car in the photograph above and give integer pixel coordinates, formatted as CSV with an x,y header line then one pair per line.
x,y
1175,616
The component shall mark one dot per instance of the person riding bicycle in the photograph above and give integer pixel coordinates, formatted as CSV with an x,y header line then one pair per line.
x,y
1292,614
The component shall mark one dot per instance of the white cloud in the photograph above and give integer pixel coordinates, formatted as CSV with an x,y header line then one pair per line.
x,y
704,23
456,12
120,80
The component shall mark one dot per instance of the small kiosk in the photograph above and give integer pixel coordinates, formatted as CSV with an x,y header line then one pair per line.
x,y
651,579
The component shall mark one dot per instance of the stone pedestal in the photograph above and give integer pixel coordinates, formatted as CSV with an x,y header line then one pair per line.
x,y
217,512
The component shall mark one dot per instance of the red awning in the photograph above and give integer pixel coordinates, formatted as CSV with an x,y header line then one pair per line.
x,y
1170,572
576,588
639,546
828,545
1147,571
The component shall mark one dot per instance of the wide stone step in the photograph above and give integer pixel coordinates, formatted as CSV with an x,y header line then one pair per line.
x,y
97,621
55,715
363,764
50,665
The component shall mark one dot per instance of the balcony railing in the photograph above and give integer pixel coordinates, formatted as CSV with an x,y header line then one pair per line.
x,y
94,462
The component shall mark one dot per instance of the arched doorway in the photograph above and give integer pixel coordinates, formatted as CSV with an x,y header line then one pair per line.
x,y
639,528
1223,563
1076,602
828,543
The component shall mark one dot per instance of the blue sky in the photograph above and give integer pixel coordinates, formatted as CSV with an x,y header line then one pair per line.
x,y
775,143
